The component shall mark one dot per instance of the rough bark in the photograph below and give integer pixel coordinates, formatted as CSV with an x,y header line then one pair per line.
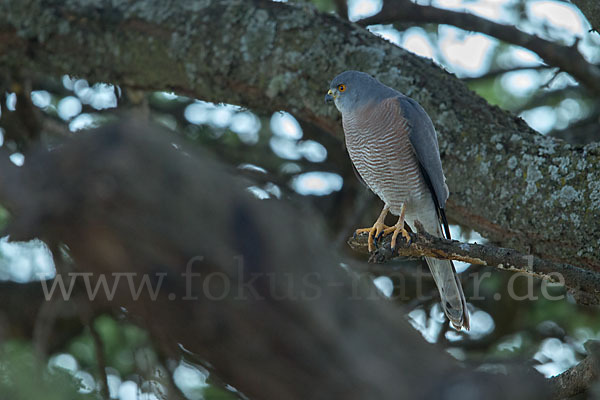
x,y
579,378
285,322
583,284
511,184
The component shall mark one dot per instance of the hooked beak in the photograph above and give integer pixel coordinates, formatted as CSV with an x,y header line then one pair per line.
x,y
329,97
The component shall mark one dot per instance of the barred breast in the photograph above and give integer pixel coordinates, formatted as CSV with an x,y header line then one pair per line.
x,y
377,139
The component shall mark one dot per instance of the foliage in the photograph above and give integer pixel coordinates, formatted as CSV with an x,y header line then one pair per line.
x,y
23,378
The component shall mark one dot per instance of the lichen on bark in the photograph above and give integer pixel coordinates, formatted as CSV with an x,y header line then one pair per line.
x,y
513,185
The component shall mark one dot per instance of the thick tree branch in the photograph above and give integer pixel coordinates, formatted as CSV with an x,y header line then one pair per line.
x,y
583,284
567,58
509,183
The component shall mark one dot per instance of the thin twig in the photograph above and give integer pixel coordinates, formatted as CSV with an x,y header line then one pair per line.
x,y
342,8
492,74
49,311
567,58
100,358
552,97
44,324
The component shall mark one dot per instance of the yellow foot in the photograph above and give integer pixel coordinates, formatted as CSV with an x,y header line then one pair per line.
x,y
397,229
375,233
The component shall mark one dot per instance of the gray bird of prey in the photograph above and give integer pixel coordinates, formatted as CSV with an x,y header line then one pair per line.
x,y
393,146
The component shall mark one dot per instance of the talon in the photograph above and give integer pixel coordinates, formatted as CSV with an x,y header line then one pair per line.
x,y
376,231
406,236
377,237
371,241
404,233
399,228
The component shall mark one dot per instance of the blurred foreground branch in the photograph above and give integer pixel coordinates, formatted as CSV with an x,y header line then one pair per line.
x,y
250,287
582,283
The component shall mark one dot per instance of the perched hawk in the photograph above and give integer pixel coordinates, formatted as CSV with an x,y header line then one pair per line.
x,y
393,146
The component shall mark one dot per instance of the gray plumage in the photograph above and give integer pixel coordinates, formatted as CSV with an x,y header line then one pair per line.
x,y
393,146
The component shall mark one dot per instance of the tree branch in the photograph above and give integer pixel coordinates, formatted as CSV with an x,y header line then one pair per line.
x,y
580,377
494,73
567,58
100,357
342,8
124,201
551,97
583,284
509,183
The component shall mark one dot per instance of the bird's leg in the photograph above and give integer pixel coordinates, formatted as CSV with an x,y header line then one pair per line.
x,y
377,228
398,228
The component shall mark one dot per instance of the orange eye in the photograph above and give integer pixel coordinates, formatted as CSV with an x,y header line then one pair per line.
x,y
342,88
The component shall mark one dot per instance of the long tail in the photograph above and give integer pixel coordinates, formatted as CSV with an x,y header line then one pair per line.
x,y
444,274
451,292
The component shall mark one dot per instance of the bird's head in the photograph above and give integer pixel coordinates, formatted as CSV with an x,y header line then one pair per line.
x,y
353,89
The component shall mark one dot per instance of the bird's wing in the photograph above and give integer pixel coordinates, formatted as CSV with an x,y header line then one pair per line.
x,y
424,141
